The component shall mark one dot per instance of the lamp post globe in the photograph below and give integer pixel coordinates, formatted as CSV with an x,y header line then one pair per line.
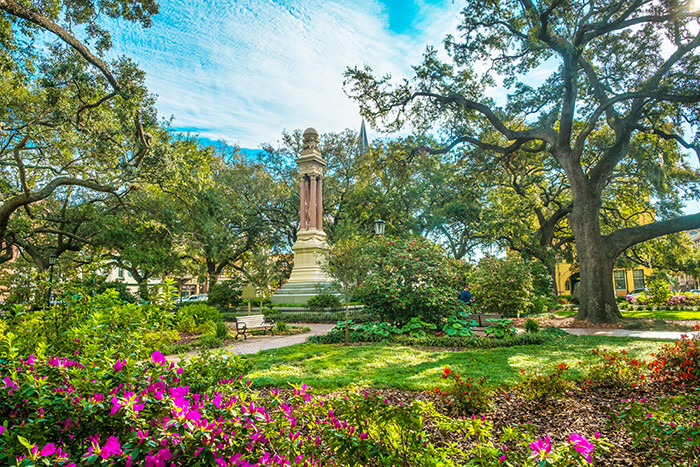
x,y
379,227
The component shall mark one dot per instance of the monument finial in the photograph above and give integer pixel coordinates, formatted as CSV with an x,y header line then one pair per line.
x,y
311,139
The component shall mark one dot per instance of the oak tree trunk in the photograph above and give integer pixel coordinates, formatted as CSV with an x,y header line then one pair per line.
x,y
597,302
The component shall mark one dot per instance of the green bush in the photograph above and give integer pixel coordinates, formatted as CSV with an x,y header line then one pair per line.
x,y
200,312
225,294
500,328
659,292
466,396
502,286
207,327
221,330
614,370
323,302
532,326
409,278
544,388
209,341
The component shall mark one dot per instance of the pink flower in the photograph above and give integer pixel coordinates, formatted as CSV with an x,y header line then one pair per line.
x,y
582,446
157,358
502,459
119,365
2,429
111,448
116,405
540,448
47,450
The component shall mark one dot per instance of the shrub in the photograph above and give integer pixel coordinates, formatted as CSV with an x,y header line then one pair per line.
x,y
555,331
207,328
532,326
416,327
458,324
466,396
666,428
324,301
225,294
544,388
221,330
615,370
502,286
209,341
381,329
200,312
500,328
280,327
409,278
678,362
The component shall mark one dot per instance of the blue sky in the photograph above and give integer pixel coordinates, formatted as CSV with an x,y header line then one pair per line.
x,y
244,71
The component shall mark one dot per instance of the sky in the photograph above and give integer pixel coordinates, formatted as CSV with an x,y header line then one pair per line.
x,y
244,71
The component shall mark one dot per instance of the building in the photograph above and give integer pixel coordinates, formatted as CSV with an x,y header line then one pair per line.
x,y
685,281
624,280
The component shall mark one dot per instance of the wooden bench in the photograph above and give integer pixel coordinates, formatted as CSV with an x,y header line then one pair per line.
x,y
251,323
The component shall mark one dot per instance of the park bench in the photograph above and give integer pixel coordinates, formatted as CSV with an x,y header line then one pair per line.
x,y
482,317
251,323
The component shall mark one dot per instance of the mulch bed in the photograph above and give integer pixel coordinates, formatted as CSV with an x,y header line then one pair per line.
x,y
585,411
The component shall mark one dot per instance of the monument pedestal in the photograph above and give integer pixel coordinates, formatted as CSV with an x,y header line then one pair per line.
x,y
308,277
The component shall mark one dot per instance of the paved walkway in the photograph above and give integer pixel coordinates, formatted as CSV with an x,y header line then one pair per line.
x,y
628,333
255,344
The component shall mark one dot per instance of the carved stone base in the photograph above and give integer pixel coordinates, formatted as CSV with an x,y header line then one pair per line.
x,y
308,277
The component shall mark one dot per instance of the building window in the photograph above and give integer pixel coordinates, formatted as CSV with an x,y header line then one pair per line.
x,y
619,279
120,273
567,285
638,275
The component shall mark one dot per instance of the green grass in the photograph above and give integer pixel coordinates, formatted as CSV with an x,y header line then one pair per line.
x,y
331,367
658,314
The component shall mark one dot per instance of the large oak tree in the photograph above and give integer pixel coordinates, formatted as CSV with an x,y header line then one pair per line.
x,y
629,68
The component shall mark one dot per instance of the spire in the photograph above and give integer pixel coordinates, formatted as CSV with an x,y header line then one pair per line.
x,y
362,139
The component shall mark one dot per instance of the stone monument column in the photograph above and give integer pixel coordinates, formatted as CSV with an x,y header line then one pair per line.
x,y
308,277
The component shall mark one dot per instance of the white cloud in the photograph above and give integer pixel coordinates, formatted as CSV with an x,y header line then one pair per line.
x,y
245,70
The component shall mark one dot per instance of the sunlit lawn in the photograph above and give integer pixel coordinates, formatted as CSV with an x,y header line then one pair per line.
x,y
658,314
331,367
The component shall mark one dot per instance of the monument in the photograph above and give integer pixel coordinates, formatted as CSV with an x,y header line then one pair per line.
x,y
308,276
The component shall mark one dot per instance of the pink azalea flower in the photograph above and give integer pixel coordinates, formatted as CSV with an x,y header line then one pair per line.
x,y
540,449
47,450
119,365
158,358
582,446
2,429
111,448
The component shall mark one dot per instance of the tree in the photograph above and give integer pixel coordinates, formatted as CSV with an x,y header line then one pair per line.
x,y
67,118
345,263
263,270
627,68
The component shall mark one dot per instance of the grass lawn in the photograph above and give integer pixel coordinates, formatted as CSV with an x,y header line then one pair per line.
x,y
330,367
658,314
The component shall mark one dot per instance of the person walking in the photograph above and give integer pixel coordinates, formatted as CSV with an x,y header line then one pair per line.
x,y
466,296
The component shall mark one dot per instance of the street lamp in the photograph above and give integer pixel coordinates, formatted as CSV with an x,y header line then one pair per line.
x,y
379,227
52,263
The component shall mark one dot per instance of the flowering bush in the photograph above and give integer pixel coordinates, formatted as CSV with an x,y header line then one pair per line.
x,y
544,388
668,427
500,328
679,362
679,299
466,396
502,286
615,370
409,278
100,411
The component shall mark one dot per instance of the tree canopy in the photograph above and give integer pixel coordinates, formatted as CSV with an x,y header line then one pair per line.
x,y
618,73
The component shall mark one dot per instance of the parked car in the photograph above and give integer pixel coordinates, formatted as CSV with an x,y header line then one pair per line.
x,y
196,298
637,292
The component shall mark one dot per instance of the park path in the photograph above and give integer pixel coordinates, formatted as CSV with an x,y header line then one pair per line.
x,y
255,344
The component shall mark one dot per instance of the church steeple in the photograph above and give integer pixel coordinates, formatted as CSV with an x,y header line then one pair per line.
x,y
362,140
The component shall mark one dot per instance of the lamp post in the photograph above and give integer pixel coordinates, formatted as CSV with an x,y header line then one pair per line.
x,y
52,263
379,227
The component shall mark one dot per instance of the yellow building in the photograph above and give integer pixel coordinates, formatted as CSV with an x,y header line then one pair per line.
x,y
625,280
